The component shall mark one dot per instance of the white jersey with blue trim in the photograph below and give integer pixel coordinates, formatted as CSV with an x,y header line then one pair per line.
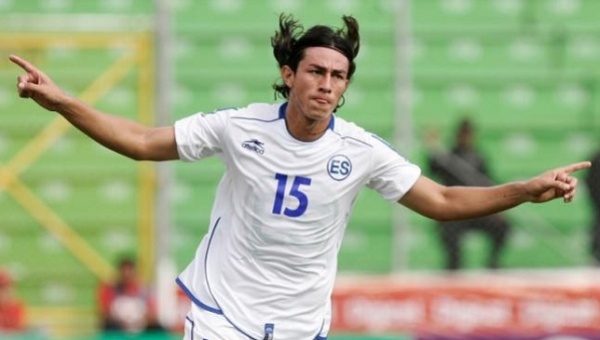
x,y
269,259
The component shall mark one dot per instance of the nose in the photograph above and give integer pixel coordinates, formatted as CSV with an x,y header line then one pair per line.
x,y
325,84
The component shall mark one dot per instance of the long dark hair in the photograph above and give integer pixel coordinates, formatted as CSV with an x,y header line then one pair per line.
x,y
291,40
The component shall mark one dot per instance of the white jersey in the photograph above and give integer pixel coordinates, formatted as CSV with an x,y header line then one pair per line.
x,y
269,260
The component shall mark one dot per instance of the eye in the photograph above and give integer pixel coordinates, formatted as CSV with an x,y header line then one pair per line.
x,y
339,75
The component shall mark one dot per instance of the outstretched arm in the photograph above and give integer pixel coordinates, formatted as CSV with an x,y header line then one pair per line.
x,y
457,202
121,135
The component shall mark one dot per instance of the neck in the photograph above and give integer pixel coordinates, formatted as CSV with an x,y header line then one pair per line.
x,y
303,128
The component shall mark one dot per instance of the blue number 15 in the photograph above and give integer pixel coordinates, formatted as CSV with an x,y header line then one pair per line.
x,y
294,192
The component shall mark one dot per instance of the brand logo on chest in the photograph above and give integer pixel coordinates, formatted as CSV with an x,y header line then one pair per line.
x,y
254,145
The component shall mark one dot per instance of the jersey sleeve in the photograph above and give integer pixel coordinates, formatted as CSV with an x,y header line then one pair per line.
x,y
392,175
201,135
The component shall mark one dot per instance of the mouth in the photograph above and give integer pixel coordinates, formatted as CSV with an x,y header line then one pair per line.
x,y
321,100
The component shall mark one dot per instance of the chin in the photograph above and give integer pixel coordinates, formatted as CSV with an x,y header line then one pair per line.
x,y
320,112
319,115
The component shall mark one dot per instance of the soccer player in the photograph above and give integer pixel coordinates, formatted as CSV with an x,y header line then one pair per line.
x,y
266,267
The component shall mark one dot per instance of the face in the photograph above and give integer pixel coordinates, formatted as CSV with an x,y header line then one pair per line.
x,y
128,273
465,139
318,84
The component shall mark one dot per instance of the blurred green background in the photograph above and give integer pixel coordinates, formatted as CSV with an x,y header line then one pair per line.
x,y
525,71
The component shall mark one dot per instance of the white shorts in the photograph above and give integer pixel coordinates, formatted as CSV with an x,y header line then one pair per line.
x,y
201,324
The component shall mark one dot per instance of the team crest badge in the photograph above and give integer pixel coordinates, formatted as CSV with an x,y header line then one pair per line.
x,y
339,167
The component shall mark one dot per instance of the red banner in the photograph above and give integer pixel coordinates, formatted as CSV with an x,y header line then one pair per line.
x,y
455,305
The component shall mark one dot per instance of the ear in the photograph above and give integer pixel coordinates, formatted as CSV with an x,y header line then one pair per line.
x,y
287,75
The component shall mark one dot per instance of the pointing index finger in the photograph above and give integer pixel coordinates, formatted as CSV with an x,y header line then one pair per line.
x,y
24,64
576,167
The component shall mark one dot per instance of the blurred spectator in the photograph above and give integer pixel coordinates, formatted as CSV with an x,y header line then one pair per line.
x,y
592,181
12,310
464,165
127,305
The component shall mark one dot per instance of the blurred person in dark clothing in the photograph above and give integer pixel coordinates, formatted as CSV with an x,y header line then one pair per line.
x,y
592,181
463,165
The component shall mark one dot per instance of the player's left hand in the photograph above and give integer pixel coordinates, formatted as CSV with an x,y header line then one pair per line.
x,y
555,183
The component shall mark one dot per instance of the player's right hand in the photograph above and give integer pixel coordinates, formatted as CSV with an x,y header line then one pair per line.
x,y
36,85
